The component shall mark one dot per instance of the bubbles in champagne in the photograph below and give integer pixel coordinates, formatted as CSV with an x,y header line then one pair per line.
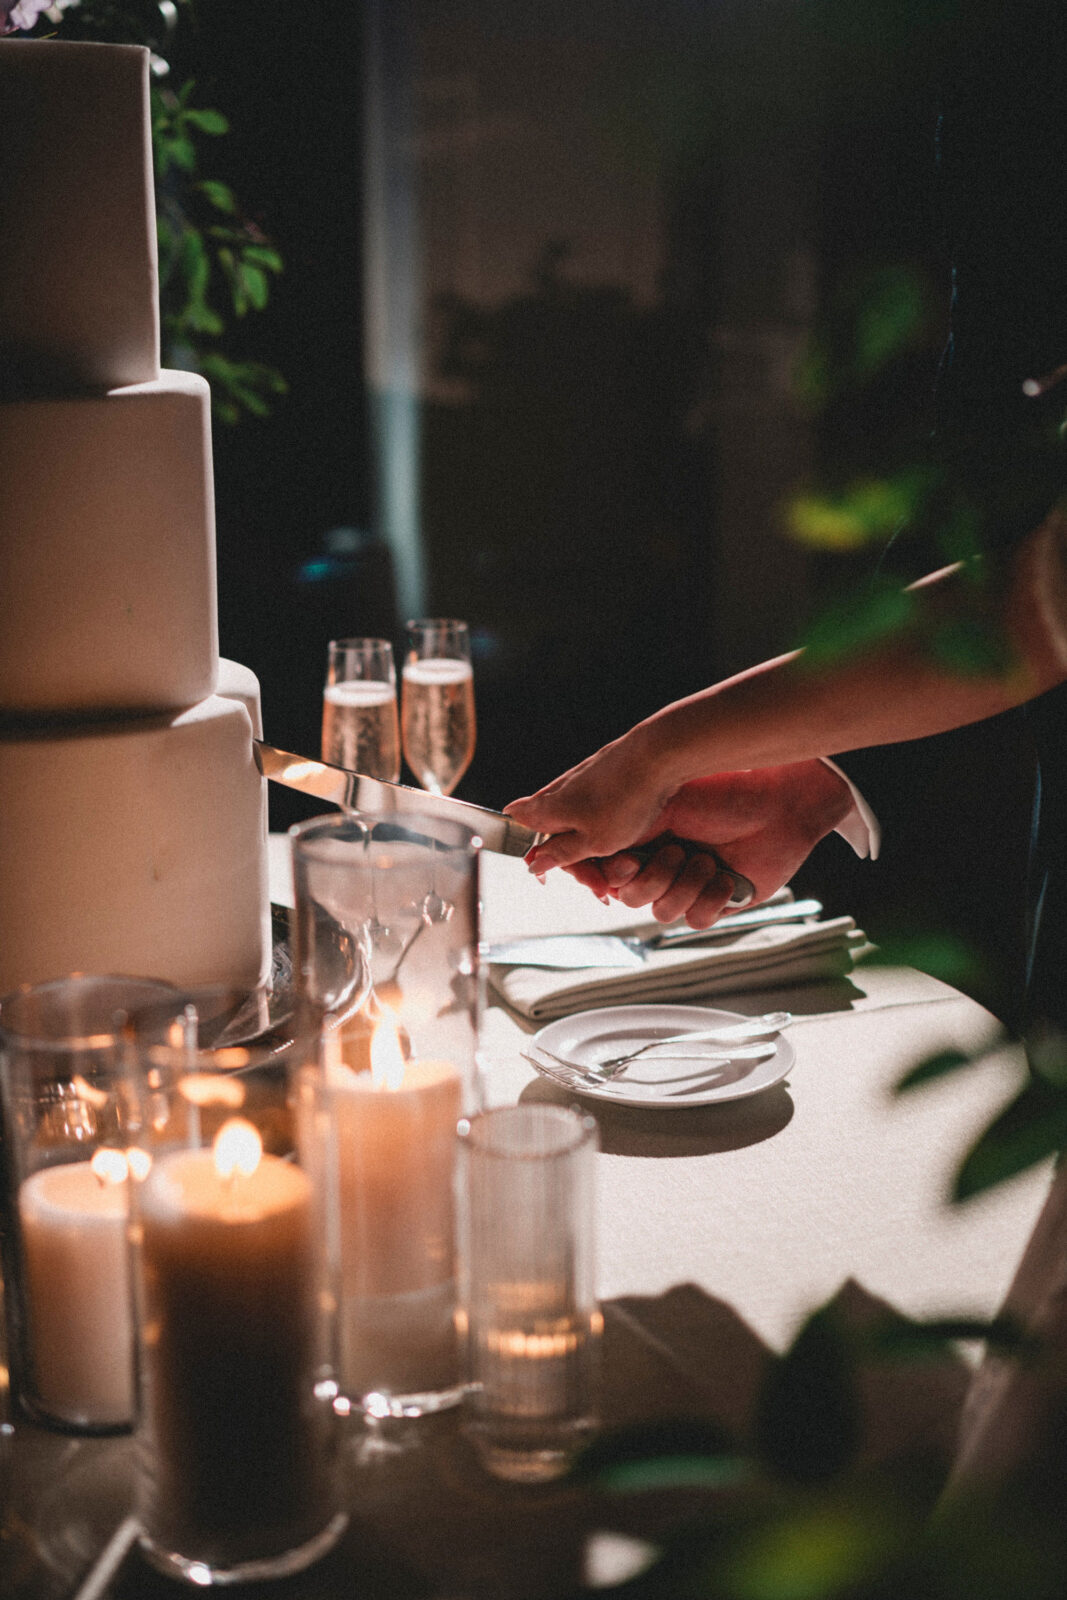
x,y
438,718
359,728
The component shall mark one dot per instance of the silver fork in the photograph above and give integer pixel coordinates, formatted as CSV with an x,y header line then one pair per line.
x,y
738,1038
562,1072
572,1076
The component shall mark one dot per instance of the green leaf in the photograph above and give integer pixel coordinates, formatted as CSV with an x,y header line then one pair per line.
x,y
264,256
899,1338
972,647
825,522
942,955
255,283
814,1552
220,195
677,1442
890,317
865,511
808,1421
1029,1130
935,1066
202,319
675,1472
881,612
239,386
182,153
225,409
195,264
212,122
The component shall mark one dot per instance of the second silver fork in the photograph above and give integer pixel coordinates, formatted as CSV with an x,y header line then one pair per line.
x,y
740,1041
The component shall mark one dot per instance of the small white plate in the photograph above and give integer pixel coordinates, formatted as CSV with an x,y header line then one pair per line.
x,y
677,1076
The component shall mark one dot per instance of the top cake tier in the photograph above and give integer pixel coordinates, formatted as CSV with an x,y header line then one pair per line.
x,y
79,287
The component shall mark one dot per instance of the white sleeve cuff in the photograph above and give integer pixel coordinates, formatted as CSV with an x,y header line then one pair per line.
x,y
860,827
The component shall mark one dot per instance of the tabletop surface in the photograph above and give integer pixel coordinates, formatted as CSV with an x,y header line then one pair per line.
x,y
719,1228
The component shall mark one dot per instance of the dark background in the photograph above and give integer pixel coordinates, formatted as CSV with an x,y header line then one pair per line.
x,y
599,473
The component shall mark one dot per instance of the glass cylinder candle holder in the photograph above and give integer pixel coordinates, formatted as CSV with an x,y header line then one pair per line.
x,y
67,1119
528,1307
399,1068
237,1463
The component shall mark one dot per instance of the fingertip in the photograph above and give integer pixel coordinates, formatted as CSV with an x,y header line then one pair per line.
x,y
620,871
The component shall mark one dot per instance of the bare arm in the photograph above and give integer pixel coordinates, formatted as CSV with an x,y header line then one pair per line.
x,y
783,711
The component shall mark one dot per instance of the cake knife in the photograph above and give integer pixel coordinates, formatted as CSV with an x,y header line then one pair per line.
x,y
354,791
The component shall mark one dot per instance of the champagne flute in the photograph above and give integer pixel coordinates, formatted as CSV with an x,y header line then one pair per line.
x,y
360,729
437,703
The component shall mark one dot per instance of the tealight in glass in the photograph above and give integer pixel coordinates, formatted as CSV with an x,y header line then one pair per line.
x,y
528,1308
67,1121
237,1467
399,1066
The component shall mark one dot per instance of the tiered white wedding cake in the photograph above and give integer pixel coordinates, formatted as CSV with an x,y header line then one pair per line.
x,y
132,814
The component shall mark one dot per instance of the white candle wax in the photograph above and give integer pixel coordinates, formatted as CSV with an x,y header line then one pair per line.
x,y
395,1162
231,1348
80,1328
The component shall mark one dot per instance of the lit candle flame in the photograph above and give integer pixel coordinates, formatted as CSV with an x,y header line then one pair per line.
x,y
237,1149
109,1166
386,1054
140,1163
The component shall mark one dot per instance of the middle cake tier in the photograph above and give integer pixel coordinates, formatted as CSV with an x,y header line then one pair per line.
x,y
137,846
107,550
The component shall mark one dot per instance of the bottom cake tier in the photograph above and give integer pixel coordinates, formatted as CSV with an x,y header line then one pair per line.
x,y
136,847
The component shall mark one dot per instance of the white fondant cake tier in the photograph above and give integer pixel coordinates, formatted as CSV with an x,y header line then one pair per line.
x,y
135,847
107,550
79,286
239,682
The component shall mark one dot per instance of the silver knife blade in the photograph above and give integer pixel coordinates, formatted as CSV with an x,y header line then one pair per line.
x,y
574,951
353,791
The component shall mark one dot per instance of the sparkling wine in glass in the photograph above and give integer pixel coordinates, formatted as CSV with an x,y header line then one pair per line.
x,y
360,728
437,703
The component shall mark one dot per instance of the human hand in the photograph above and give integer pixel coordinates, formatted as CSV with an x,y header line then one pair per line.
x,y
607,802
763,823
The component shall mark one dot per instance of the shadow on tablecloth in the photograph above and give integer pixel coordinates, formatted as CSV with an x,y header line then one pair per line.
x,y
676,1131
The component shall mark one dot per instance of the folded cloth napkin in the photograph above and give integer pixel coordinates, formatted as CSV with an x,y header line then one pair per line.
x,y
762,958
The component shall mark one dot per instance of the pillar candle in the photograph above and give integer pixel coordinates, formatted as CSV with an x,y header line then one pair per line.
x,y
395,1129
230,1353
80,1330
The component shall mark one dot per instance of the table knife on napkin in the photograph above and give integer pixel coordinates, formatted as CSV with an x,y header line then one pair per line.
x,y
354,791
573,951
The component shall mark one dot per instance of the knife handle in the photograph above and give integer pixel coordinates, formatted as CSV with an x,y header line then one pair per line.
x,y
744,891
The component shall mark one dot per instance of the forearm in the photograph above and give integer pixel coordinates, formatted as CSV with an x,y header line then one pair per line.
x,y
784,710
787,710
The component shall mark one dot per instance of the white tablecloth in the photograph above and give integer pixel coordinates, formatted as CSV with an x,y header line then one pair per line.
x,y
772,1204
